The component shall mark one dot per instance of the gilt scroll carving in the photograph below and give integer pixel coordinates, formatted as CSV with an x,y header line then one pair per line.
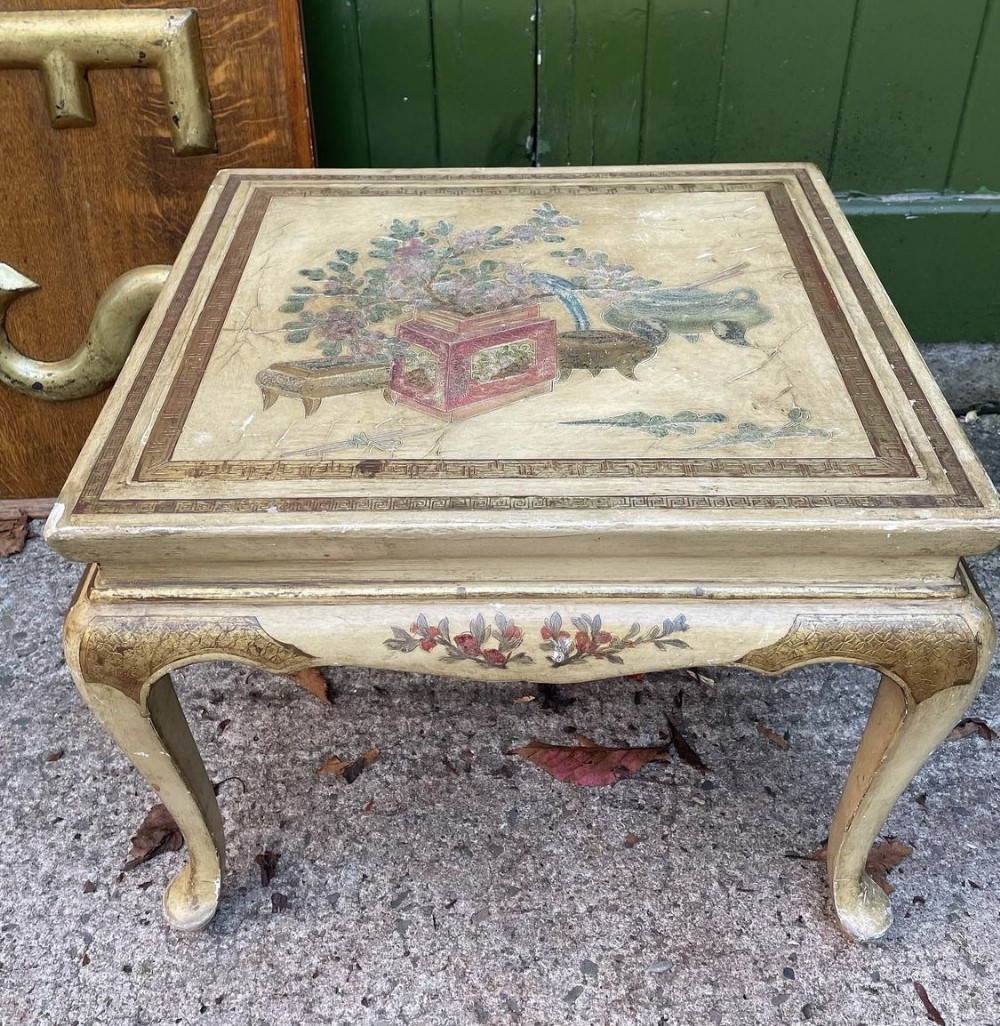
x,y
126,652
923,651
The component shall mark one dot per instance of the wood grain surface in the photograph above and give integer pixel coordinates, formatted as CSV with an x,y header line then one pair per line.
x,y
80,206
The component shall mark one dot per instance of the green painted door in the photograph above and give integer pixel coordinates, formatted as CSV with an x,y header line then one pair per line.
x,y
896,100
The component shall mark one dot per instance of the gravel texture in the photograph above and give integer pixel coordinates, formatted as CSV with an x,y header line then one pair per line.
x,y
452,884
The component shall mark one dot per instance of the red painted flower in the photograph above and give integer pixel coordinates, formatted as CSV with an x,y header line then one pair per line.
x,y
547,634
430,641
603,637
494,657
583,643
514,633
467,645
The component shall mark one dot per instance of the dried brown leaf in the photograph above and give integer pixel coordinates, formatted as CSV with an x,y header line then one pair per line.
x,y
314,682
524,699
55,756
588,763
972,726
268,862
773,736
882,859
13,533
631,840
157,833
350,771
684,748
932,1013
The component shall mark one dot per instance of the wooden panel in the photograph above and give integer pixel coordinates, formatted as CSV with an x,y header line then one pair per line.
x,y
336,82
399,92
782,79
681,93
484,56
976,162
938,262
590,78
81,206
906,83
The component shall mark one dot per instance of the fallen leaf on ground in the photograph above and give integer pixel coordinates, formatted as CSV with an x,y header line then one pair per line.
x,y
972,726
631,840
55,756
89,887
314,682
932,1013
524,699
698,677
157,833
588,763
683,747
278,901
882,859
773,736
350,771
268,862
13,532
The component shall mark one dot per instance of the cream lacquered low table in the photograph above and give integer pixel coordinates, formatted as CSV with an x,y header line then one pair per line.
x,y
555,425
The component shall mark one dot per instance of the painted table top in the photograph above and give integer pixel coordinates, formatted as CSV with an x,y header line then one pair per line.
x,y
695,349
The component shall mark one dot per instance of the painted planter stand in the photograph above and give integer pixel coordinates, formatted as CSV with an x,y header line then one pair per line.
x,y
711,444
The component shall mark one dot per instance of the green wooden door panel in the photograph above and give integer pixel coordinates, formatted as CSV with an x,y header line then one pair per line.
x,y
782,79
590,75
977,154
399,92
938,262
886,95
907,79
334,56
684,49
484,58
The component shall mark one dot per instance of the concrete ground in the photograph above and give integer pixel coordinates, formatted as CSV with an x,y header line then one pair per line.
x,y
452,884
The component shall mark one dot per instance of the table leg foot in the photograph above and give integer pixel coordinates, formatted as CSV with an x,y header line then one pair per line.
x,y
901,734
118,658
933,663
155,737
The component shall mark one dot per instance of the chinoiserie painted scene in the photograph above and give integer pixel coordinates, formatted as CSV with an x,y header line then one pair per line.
x,y
577,325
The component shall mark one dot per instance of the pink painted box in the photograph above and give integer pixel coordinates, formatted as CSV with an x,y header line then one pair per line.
x,y
455,367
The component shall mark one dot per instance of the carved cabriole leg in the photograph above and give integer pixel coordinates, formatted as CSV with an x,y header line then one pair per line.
x,y
119,664
933,664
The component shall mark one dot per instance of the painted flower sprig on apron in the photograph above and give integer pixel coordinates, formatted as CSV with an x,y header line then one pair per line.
x,y
496,644
591,641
